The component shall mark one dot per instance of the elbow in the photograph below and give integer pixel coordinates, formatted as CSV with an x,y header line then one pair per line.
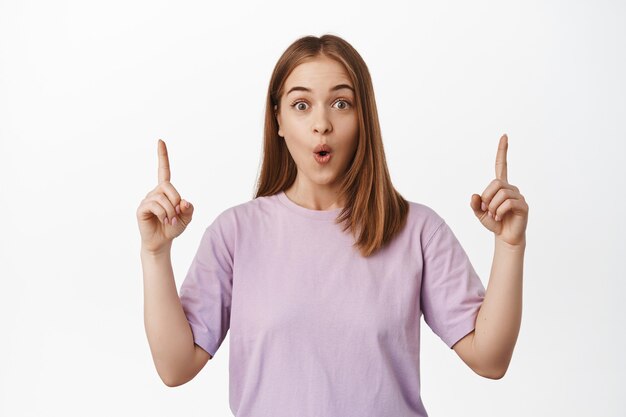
x,y
495,374
493,368
170,381
173,383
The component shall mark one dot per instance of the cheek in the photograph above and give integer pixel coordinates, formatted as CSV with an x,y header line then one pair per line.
x,y
351,135
350,126
297,147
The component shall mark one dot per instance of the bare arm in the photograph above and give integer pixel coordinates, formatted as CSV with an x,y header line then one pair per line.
x,y
499,318
488,349
176,357
503,210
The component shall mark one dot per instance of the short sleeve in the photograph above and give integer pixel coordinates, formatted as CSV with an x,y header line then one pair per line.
x,y
205,294
451,291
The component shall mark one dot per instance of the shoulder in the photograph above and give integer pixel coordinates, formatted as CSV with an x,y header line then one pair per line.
x,y
423,213
242,215
423,221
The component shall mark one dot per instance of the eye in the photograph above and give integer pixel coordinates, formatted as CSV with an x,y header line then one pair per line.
x,y
297,103
346,105
344,101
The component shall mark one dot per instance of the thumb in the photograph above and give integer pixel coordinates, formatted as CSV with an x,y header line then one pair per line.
x,y
186,211
475,204
487,221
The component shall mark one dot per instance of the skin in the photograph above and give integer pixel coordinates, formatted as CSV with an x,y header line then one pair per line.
x,y
503,210
321,116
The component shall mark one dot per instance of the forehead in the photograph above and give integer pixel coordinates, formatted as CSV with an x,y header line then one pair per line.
x,y
318,74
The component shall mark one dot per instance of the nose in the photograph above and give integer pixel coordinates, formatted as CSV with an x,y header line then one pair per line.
x,y
321,123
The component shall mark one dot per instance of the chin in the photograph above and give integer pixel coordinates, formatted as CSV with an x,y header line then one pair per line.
x,y
322,178
325,180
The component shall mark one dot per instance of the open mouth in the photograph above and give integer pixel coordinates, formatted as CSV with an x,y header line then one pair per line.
x,y
322,157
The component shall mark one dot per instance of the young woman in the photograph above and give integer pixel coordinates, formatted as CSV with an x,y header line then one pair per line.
x,y
322,277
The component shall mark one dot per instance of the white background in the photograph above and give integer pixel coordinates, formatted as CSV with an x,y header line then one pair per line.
x,y
86,90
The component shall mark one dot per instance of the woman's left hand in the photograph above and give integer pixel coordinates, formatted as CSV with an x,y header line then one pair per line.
x,y
501,208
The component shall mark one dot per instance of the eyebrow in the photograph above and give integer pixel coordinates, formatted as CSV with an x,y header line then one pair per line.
x,y
335,88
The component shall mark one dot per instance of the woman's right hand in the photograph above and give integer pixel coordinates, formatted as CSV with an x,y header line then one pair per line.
x,y
162,214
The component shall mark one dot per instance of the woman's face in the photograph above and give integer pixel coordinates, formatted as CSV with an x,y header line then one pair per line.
x,y
324,115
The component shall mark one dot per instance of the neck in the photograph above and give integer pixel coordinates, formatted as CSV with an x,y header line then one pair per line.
x,y
314,198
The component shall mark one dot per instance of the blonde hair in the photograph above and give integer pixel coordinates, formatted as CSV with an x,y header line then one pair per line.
x,y
374,211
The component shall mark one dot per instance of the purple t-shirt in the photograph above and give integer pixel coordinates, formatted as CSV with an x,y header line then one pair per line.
x,y
317,330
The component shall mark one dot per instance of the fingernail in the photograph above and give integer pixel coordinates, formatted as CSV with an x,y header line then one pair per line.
x,y
178,209
483,206
174,221
165,220
187,204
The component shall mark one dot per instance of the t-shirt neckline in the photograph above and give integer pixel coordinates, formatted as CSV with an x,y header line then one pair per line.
x,y
310,213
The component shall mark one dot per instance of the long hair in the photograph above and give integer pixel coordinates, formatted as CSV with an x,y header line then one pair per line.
x,y
374,211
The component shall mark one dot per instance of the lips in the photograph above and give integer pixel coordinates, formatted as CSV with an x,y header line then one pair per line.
x,y
322,158
322,149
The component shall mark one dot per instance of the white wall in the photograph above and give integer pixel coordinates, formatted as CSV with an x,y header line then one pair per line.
x,y
87,89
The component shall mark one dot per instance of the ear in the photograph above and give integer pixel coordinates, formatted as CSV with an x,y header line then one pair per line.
x,y
277,120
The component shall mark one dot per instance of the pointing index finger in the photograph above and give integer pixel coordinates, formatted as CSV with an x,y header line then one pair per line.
x,y
164,162
501,173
